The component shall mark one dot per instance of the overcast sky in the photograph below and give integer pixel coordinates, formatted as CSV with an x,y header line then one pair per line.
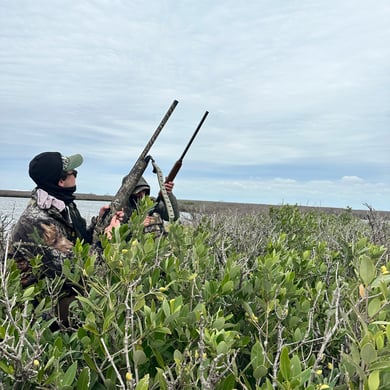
x,y
298,94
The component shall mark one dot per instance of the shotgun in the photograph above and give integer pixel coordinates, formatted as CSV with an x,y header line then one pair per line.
x,y
176,167
129,182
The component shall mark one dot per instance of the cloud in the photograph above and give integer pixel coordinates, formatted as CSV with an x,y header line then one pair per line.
x,y
351,180
317,193
297,91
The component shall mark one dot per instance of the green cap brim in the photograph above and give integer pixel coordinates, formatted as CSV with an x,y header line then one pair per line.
x,y
71,162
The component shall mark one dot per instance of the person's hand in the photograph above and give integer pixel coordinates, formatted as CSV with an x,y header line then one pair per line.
x,y
169,186
117,218
148,220
115,222
103,210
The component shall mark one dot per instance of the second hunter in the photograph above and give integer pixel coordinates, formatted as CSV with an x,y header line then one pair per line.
x,y
154,222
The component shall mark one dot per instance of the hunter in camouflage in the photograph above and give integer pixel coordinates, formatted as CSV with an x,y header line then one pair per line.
x,y
51,223
155,221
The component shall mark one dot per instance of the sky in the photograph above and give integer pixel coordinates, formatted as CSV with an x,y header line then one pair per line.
x,y
298,95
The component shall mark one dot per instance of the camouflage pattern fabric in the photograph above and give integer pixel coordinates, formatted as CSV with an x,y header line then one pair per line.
x,y
156,226
44,232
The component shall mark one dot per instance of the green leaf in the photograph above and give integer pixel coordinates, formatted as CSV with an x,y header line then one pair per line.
x,y
143,384
219,323
374,380
49,363
139,357
285,365
222,348
108,320
66,269
177,356
305,375
229,383
367,269
139,304
162,329
379,340
89,266
355,353
90,362
84,379
385,279
149,246
259,372
374,306
257,355
368,353
59,343
28,292
88,302
158,357
159,378
248,309
165,307
7,368
69,375
296,367
383,365
92,328
298,336
227,287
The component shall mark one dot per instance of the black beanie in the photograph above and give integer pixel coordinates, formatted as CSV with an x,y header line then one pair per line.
x,y
45,168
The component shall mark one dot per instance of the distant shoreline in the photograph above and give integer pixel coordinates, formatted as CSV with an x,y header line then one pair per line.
x,y
209,207
27,194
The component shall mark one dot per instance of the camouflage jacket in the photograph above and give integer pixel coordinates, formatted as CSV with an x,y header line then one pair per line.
x,y
44,229
160,207
159,214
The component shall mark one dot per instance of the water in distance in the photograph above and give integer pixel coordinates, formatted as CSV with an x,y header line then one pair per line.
x,y
12,208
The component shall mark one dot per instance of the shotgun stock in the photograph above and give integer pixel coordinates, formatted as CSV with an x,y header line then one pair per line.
x,y
129,182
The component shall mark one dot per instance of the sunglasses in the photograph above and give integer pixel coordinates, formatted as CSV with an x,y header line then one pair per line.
x,y
66,174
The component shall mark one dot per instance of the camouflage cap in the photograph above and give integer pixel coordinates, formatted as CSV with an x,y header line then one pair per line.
x,y
71,162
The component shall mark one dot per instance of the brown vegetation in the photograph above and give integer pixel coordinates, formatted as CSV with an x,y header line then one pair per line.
x,y
211,207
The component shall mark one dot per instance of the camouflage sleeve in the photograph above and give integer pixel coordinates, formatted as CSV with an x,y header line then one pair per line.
x,y
44,238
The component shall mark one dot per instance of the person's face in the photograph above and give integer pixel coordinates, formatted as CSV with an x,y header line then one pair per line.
x,y
140,194
68,179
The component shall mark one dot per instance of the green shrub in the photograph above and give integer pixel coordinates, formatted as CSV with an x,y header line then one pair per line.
x,y
288,300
